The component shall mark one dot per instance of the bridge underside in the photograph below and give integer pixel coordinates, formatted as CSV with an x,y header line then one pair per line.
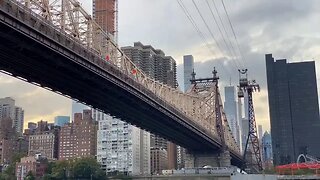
x,y
26,53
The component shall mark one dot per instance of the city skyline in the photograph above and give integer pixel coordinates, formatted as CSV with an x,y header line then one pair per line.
x,y
42,104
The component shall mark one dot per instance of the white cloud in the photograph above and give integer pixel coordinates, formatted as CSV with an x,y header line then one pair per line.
x,y
38,103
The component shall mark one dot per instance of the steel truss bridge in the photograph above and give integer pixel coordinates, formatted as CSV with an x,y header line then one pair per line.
x,y
55,44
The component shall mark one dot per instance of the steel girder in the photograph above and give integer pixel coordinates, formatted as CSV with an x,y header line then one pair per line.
x,y
68,17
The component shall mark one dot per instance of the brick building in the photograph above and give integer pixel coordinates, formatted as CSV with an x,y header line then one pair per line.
x,y
104,13
43,144
159,160
36,164
8,140
44,140
78,139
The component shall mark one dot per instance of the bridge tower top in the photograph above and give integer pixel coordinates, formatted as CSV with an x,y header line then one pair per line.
x,y
208,86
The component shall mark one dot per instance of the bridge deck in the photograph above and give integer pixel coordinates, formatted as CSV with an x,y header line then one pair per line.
x,y
35,51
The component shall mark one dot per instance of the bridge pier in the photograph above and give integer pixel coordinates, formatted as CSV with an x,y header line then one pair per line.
x,y
222,159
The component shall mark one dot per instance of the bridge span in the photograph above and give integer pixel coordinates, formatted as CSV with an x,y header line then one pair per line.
x,y
64,50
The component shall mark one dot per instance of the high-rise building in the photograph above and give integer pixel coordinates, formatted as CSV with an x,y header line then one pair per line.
x,y
42,127
188,67
245,133
44,140
44,144
8,140
244,121
105,14
230,107
260,130
145,165
159,160
246,106
121,147
18,119
32,125
61,120
172,155
181,153
162,68
31,129
7,108
78,139
16,114
267,149
240,112
77,108
293,109
156,141
153,62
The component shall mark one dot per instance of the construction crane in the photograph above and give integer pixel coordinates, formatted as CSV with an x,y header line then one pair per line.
x,y
252,142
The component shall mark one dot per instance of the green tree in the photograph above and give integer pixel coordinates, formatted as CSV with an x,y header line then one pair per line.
x,y
87,168
59,168
49,168
30,176
79,168
47,177
4,176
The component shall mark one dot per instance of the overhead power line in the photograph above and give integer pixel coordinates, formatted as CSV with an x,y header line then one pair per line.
x,y
224,28
200,33
234,34
193,23
207,26
231,50
204,21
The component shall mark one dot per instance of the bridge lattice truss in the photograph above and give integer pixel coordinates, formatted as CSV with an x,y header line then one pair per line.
x,y
68,17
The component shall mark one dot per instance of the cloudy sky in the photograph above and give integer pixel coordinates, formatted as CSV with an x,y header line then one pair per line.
x,y
287,29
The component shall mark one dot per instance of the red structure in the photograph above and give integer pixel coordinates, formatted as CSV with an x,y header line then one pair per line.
x,y
293,167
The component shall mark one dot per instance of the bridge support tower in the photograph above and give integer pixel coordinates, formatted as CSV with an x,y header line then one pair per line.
x,y
222,159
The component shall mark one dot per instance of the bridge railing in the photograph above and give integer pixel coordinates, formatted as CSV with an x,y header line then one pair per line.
x,y
70,19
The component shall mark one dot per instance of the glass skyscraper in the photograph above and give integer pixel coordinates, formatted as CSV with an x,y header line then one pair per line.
x,y
188,66
293,108
61,120
266,147
230,108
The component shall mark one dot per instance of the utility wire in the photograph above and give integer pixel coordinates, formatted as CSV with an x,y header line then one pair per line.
x,y
186,12
223,26
231,50
193,23
206,24
234,34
